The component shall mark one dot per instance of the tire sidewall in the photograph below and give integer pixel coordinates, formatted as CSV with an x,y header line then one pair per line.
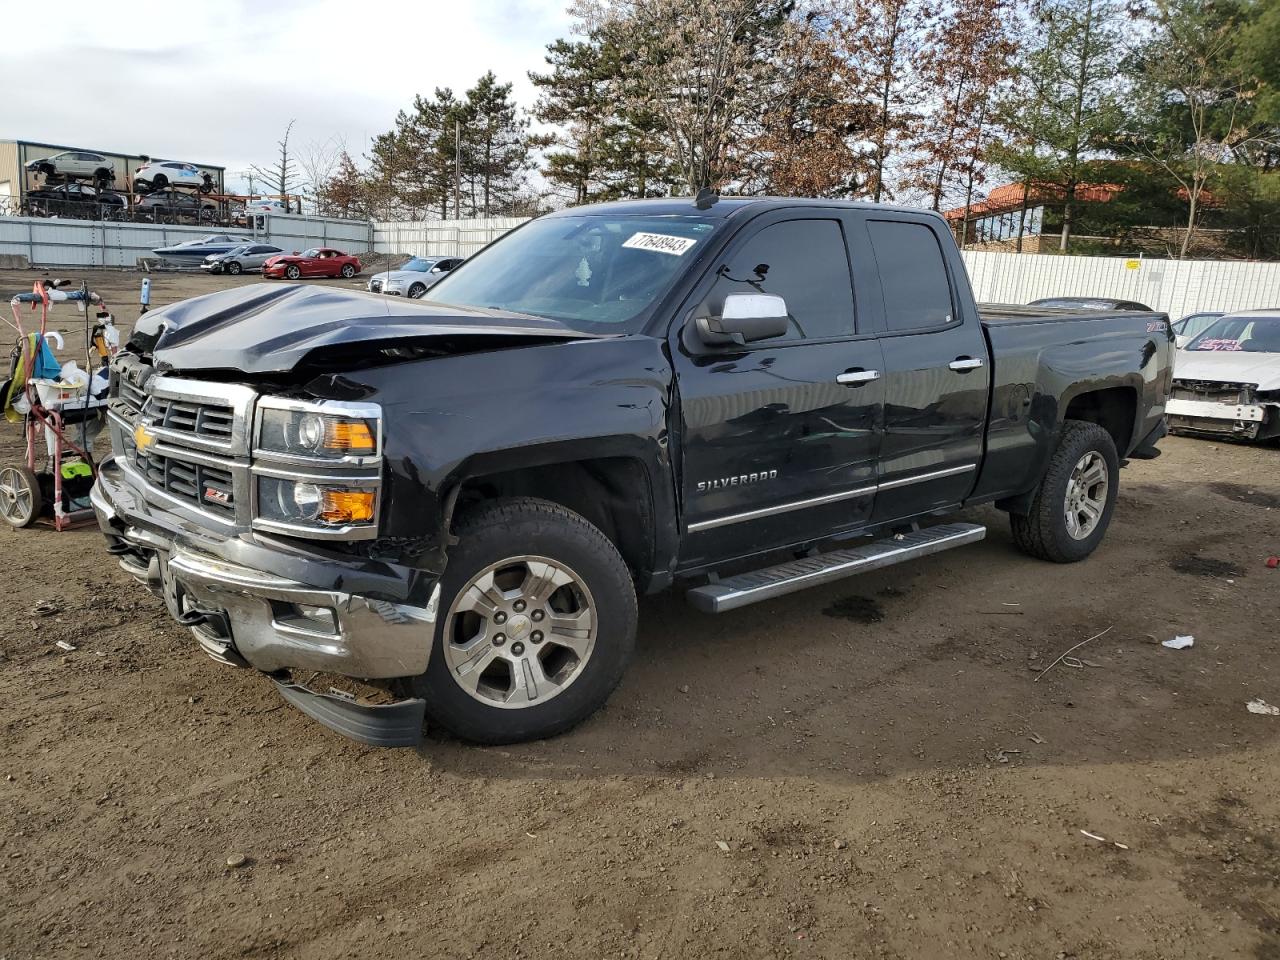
x,y
416,291
612,593
1076,444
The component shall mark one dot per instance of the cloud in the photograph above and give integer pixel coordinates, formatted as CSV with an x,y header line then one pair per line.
x,y
217,83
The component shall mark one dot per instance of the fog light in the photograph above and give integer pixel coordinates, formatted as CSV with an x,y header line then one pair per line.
x,y
319,616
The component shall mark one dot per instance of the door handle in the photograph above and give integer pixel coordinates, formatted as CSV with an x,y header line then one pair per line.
x,y
965,364
855,378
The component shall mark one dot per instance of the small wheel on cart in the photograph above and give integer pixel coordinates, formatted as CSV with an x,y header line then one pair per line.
x,y
20,498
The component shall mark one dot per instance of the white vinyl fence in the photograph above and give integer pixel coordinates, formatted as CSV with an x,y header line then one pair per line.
x,y
1177,287
53,242
440,238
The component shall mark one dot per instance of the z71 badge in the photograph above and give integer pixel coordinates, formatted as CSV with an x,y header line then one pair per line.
x,y
706,486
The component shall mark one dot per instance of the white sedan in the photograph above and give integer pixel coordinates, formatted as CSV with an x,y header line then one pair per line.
x,y
1226,381
159,174
414,278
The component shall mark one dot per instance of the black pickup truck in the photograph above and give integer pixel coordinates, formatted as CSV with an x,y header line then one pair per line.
x,y
457,500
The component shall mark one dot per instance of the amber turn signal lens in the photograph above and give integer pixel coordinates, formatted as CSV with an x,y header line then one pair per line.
x,y
353,436
346,506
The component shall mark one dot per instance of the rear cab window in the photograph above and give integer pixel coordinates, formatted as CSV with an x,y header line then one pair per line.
x,y
913,276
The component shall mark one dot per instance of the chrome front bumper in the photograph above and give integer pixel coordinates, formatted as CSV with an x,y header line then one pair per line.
x,y
247,616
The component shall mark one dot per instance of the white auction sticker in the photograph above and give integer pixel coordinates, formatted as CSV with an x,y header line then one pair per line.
x,y
660,243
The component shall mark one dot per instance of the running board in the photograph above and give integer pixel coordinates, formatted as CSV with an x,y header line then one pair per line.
x,y
734,592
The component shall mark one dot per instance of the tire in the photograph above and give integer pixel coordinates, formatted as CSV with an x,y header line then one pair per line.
x,y
533,554
20,497
292,271
1046,531
348,271
234,268
158,182
416,291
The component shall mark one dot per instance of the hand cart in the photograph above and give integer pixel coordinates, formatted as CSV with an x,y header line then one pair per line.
x,y
65,415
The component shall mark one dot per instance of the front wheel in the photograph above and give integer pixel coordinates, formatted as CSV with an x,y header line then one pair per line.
x,y
416,291
292,271
538,622
234,268
1073,505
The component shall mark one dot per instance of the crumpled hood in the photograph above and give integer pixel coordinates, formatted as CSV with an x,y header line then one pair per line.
x,y
1229,366
271,328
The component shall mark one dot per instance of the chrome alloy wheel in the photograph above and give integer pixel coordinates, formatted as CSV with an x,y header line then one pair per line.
x,y
18,497
1086,495
520,632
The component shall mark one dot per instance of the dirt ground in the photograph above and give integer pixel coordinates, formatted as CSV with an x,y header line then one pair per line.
x,y
875,769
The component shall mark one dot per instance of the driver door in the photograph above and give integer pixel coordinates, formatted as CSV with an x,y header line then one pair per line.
x,y
780,437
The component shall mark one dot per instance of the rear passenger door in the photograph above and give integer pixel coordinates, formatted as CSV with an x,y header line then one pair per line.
x,y
779,437
936,371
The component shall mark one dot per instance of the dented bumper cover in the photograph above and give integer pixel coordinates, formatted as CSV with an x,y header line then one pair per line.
x,y
249,604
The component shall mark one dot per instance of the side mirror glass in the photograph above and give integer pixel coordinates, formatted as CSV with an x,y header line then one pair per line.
x,y
746,318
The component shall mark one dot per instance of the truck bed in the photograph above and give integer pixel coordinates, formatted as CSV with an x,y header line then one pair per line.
x,y
1017,313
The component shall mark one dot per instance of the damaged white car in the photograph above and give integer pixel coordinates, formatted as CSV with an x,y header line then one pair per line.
x,y
1226,381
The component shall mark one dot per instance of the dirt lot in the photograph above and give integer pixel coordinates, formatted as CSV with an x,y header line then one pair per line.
x,y
889,772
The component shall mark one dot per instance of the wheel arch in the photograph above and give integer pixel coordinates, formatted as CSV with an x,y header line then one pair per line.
x,y
1115,409
614,493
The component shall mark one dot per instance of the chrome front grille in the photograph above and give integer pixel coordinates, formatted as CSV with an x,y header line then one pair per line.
x,y
204,486
196,439
216,421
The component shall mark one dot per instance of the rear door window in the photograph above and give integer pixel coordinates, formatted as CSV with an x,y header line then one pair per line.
x,y
913,275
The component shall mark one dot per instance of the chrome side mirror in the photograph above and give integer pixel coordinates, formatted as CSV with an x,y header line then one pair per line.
x,y
746,318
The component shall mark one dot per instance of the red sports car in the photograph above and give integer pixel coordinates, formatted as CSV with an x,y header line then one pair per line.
x,y
317,262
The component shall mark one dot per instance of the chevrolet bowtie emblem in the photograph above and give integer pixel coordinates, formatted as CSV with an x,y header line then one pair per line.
x,y
142,437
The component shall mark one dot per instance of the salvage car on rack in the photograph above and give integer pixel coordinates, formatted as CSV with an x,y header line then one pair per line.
x,y
75,164
175,206
316,262
1227,380
75,200
459,498
414,278
159,174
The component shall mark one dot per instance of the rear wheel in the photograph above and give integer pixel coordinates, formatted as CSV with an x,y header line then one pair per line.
x,y
1073,505
348,271
538,624
20,498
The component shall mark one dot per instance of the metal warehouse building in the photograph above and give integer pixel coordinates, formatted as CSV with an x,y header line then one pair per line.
x,y
15,181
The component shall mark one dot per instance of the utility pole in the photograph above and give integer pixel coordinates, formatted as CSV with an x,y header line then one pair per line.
x,y
457,169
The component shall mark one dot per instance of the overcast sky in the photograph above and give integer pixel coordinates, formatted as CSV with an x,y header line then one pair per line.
x,y
216,82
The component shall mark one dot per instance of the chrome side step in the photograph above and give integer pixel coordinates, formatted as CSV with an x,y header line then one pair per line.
x,y
734,592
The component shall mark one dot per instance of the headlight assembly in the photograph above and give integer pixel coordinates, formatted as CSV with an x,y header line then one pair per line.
x,y
322,432
322,505
317,468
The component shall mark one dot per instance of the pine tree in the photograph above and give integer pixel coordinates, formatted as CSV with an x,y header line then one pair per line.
x,y
1063,107
496,142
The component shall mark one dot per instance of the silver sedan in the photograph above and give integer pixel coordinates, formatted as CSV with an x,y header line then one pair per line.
x,y
248,258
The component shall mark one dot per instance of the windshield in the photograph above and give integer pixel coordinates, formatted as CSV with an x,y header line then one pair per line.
x,y
418,265
596,274
1243,334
